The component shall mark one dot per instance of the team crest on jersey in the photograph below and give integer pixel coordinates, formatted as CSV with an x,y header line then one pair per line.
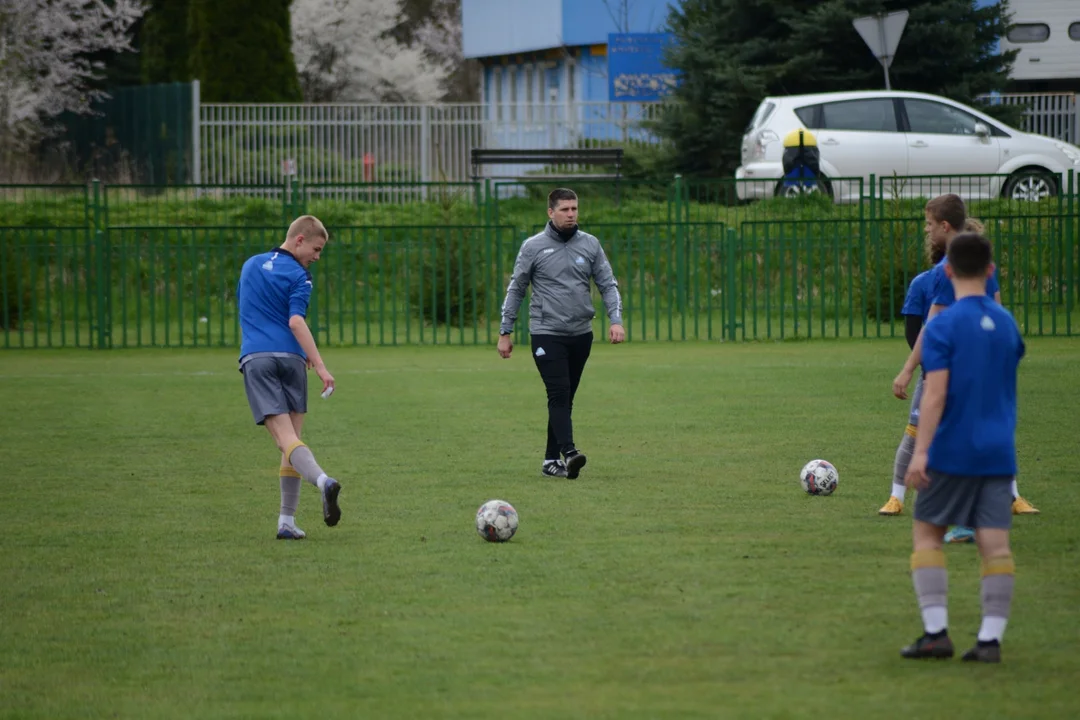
x,y
987,324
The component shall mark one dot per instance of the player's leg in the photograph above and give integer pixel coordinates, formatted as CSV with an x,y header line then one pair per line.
x,y
290,490
550,353
946,500
580,348
895,504
998,568
293,374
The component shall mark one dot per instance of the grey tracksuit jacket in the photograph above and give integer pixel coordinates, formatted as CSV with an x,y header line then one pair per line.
x,y
560,272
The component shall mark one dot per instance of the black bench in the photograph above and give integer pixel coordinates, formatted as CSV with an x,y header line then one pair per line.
x,y
611,157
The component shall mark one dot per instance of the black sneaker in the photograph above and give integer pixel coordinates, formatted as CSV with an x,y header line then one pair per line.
x,y
330,511
987,652
553,468
937,646
574,462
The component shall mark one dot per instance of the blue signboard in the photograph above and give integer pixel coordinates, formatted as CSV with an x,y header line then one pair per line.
x,y
636,71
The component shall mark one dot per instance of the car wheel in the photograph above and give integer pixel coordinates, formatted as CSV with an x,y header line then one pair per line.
x,y
1030,186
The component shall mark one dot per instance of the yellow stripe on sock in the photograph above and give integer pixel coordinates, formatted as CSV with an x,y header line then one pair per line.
x,y
1000,565
288,471
289,450
927,559
911,430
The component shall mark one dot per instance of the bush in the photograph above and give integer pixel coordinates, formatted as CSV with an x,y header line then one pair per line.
x,y
16,290
453,285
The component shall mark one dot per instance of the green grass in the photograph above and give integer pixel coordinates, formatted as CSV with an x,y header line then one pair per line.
x,y
684,575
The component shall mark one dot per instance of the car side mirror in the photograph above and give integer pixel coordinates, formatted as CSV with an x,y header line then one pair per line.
x,y
981,130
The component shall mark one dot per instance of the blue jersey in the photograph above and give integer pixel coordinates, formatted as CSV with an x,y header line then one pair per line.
x,y
978,342
918,298
273,287
942,289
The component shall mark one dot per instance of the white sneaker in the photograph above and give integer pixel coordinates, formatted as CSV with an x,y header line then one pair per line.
x,y
290,532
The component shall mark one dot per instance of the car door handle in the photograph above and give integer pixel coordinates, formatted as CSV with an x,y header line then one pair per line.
x,y
831,141
920,144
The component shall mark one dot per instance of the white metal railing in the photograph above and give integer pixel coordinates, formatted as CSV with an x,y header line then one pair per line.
x,y
1055,115
349,143
262,144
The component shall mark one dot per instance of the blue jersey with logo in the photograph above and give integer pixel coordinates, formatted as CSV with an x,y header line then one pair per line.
x,y
273,287
942,289
918,298
978,342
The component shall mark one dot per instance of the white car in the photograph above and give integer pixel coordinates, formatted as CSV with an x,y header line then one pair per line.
x,y
905,139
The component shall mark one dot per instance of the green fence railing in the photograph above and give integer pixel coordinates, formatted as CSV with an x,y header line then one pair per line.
x,y
149,266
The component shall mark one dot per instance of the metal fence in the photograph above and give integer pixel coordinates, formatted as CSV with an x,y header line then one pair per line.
x,y
145,266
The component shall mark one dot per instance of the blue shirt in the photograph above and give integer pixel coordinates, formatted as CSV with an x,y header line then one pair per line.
x,y
942,289
273,287
978,342
918,298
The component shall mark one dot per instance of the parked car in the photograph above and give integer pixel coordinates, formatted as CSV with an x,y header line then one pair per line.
x,y
894,134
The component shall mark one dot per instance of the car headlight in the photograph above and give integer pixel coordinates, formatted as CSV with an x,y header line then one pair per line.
x,y
1070,151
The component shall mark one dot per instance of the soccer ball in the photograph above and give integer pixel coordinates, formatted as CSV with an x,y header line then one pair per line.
x,y
819,477
496,521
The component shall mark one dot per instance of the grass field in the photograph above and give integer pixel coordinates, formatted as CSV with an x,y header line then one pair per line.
x,y
684,574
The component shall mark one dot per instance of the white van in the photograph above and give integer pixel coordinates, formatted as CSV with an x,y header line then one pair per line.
x,y
895,133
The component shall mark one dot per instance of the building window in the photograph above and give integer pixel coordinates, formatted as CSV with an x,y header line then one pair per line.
x,y
497,92
1074,31
1028,33
530,72
513,93
571,80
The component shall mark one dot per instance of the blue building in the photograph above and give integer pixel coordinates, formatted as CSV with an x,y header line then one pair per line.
x,y
549,51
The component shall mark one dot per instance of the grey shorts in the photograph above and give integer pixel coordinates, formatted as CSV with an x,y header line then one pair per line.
x,y
975,502
916,398
275,385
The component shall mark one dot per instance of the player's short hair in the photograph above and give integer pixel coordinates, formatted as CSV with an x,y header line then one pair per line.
x,y
949,208
970,255
558,195
307,225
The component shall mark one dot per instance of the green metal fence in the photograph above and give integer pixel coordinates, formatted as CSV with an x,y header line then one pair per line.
x,y
148,266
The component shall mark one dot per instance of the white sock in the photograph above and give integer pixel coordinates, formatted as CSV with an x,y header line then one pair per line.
x,y
993,628
898,491
935,618
1015,491
321,482
286,521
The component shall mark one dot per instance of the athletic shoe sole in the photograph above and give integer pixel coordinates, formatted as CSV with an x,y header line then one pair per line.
x,y
574,463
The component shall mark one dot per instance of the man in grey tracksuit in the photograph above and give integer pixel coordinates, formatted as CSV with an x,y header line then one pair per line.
x,y
560,262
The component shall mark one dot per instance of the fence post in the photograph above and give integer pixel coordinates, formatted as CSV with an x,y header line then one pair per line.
x,y
101,284
730,291
425,146
196,120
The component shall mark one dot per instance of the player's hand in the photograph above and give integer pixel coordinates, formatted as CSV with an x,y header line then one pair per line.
x,y
616,334
506,346
916,477
326,377
900,384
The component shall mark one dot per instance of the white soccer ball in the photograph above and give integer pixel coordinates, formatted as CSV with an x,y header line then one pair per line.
x,y
819,477
496,521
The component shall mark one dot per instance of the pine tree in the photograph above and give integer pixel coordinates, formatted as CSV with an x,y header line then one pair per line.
x,y
241,51
165,47
733,53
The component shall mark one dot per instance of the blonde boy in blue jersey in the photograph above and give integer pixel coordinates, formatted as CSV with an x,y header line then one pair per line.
x,y
276,350
965,453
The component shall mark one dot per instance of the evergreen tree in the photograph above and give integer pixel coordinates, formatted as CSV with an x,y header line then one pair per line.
x,y
733,53
164,42
241,51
